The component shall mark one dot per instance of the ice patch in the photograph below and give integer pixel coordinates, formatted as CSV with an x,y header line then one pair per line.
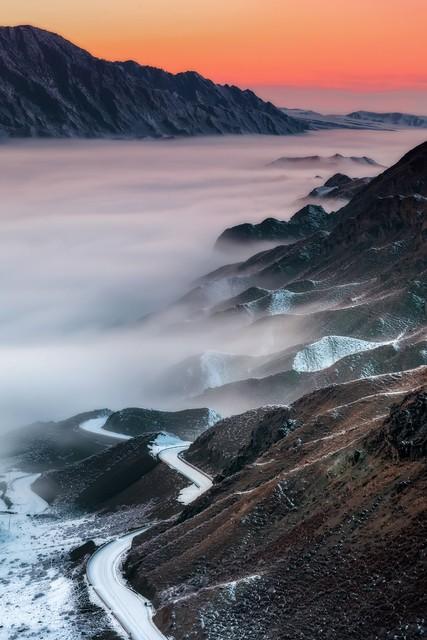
x,y
321,192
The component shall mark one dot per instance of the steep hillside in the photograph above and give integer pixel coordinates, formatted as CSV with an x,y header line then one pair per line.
x,y
347,301
46,445
185,424
320,533
123,476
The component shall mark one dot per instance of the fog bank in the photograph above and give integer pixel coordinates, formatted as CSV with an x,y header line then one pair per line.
x,y
96,234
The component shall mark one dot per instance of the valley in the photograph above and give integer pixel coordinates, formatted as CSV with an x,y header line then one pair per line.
x,y
266,478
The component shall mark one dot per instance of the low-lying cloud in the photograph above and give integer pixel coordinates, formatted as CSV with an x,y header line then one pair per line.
x,y
97,234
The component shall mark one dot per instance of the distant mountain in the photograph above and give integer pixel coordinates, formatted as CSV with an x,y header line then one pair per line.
x,y
357,120
50,87
318,162
395,119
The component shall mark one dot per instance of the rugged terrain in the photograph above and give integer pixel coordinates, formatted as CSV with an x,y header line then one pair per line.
x,y
347,299
50,87
315,527
187,424
340,186
124,475
303,224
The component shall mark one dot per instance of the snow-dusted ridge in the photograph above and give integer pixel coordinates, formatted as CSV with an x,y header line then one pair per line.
x,y
133,611
329,349
148,102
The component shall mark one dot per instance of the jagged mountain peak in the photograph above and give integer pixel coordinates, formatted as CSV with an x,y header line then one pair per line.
x,y
24,38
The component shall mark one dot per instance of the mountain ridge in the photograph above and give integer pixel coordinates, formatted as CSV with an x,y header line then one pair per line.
x,y
52,88
370,120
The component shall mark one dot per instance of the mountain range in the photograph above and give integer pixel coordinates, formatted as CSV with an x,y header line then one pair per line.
x,y
314,526
358,120
50,87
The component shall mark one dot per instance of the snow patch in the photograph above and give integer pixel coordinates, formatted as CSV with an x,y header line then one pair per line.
x,y
329,349
282,301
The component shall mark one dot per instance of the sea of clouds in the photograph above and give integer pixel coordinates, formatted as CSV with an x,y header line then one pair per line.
x,y
97,234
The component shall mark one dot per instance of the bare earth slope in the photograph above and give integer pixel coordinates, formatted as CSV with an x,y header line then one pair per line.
x,y
321,536
315,526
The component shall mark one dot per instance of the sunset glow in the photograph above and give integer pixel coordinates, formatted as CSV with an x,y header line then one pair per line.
x,y
369,46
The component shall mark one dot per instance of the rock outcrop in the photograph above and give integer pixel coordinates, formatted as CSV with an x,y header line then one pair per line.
x,y
405,431
340,186
303,223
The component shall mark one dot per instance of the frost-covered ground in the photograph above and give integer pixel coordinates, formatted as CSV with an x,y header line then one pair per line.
x,y
40,594
36,597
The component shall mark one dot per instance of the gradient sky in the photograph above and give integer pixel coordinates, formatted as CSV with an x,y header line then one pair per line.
x,y
356,47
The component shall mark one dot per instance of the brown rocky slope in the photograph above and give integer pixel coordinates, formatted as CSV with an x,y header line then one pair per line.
x,y
314,532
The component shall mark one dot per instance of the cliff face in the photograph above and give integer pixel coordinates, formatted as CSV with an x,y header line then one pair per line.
x,y
49,87
404,435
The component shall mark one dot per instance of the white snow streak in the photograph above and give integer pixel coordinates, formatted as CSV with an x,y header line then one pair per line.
x,y
329,349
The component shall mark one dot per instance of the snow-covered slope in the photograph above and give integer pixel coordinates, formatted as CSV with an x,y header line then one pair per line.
x,y
50,87
329,349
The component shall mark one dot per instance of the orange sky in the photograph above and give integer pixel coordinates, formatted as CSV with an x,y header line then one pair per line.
x,y
353,44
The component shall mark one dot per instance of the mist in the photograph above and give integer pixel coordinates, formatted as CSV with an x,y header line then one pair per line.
x,y
98,234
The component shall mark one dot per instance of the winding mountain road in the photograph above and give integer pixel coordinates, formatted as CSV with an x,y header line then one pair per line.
x,y
133,611
24,500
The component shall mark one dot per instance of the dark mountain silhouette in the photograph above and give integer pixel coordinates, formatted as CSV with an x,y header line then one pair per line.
x,y
50,87
303,223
